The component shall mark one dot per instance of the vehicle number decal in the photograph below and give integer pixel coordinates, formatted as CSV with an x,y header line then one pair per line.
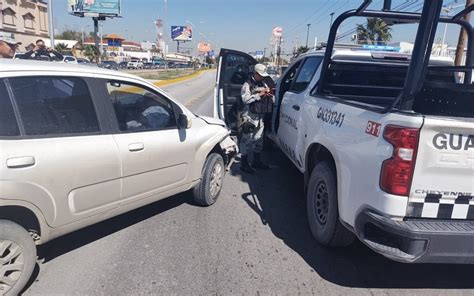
x,y
373,128
331,117
287,119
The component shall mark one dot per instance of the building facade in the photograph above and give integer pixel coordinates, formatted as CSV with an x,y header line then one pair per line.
x,y
26,19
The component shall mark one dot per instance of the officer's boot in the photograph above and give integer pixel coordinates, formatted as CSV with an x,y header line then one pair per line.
x,y
258,164
245,165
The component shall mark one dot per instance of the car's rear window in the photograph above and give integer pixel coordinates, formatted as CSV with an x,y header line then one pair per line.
x,y
8,123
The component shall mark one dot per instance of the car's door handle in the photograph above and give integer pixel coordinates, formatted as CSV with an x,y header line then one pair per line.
x,y
136,147
20,162
296,107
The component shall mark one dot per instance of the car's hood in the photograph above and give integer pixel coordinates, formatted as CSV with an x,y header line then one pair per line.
x,y
212,120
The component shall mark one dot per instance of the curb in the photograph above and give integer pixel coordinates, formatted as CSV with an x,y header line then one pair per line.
x,y
180,79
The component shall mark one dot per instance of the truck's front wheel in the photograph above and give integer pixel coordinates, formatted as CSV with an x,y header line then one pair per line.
x,y
323,210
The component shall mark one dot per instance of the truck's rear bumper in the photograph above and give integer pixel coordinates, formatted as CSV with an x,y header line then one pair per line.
x,y
418,241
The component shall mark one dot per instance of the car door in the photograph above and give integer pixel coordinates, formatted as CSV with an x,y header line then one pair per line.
x,y
155,154
292,103
233,71
63,159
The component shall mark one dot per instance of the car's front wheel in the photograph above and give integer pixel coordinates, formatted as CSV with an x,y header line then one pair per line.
x,y
213,172
17,258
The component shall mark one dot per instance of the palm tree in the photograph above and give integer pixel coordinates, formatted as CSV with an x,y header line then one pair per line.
x,y
61,47
90,52
300,50
375,32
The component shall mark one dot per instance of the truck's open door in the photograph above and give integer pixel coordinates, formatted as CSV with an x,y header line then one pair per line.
x,y
232,73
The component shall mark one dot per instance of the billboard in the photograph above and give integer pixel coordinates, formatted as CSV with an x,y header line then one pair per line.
x,y
181,33
204,47
94,7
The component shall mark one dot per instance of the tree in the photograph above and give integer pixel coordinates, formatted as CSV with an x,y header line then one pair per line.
x,y
61,47
375,32
69,34
301,50
264,60
91,52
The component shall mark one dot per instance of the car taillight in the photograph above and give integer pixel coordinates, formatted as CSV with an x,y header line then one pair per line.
x,y
397,172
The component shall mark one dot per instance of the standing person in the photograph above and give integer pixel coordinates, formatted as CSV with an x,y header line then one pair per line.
x,y
257,99
41,52
71,5
8,46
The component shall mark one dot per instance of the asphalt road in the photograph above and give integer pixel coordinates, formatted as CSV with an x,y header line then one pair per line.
x,y
255,240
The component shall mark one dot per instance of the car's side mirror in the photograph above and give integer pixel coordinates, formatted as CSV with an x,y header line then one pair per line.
x,y
184,122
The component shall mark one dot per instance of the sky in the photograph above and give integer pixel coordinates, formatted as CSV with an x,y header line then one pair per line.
x,y
244,25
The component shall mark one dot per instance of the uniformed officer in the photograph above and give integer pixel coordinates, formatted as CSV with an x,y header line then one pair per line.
x,y
8,45
257,99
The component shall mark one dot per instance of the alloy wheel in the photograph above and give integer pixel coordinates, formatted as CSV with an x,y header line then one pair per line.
x,y
11,265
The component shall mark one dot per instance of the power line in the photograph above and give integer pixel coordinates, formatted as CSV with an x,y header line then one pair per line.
x,y
402,7
305,21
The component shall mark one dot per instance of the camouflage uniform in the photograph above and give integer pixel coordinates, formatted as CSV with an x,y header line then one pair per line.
x,y
251,142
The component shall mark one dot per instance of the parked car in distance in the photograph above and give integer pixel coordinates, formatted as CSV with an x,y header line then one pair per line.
x,y
148,66
91,145
135,64
82,61
111,65
69,59
123,65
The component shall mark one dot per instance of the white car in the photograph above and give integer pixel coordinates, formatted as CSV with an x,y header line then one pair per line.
x,y
70,60
135,65
79,145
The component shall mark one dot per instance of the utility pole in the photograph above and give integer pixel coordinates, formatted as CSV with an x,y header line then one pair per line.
x,y
463,38
264,52
307,35
51,25
96,37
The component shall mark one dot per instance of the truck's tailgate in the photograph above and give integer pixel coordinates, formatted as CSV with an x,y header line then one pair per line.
x,y
443,182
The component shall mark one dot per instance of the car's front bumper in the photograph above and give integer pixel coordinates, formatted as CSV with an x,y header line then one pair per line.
x,y
230,148
417,241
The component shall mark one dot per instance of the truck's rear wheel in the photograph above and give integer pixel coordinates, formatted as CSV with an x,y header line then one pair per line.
x,y
17,258
322,207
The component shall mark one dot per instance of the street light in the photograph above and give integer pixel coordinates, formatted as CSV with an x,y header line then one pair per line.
x,y
83,27
307,35
448,10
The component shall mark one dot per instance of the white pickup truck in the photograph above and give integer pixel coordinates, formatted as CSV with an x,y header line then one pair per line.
x,y
400,180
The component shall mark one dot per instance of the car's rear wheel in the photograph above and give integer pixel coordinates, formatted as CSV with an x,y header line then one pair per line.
x,y
323,209
17,258
213,172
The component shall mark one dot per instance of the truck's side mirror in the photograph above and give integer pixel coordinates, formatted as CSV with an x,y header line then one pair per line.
x,y
184,122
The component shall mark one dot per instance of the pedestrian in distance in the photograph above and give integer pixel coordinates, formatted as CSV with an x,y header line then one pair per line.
x,y
257,100
41,52
8,45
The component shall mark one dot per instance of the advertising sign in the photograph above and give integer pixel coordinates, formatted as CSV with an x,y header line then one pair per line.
x,y
181,33
259,54
100,7
204,47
